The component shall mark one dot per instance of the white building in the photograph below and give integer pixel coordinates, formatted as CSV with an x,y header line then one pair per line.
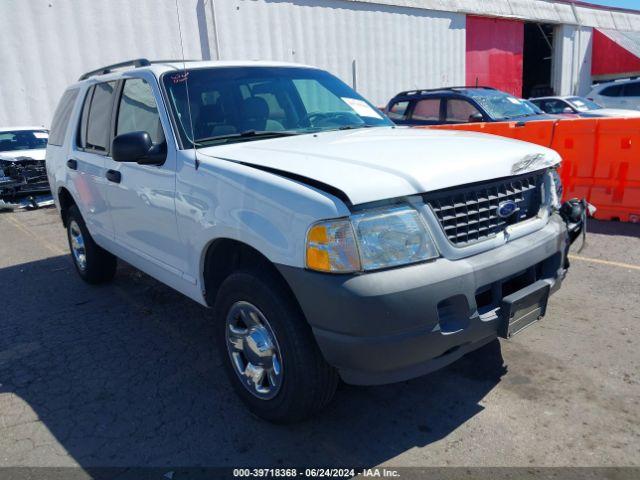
x,y
380,46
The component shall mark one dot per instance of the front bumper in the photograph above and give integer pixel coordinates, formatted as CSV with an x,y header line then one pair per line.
x,y
396,324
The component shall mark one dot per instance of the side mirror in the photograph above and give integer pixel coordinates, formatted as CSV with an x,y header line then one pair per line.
x,y
567,110
137,147
476,117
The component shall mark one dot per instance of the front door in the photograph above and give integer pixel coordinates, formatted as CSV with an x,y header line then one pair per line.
x,y
142,197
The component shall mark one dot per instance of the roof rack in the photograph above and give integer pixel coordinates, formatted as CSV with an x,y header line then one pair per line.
x,y
427,90
138,62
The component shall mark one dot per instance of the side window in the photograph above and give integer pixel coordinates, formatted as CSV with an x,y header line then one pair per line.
x,y
554,106
94,134
61,117
398,111
613,91
82,129
427,110
460,111
138,111
632,89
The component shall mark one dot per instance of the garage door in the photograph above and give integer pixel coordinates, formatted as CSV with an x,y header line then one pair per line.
x,y
494,53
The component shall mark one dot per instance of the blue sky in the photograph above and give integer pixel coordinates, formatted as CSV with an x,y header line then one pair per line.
x,y
634,4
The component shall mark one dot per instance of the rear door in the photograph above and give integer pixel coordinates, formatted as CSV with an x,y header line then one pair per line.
x,y
142,197
87,156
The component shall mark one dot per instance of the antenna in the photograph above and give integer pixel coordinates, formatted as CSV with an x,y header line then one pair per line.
x,y
186,86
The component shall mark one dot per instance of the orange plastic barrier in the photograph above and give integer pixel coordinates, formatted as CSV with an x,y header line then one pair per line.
x,y
601,158
575,141
616,173
540,132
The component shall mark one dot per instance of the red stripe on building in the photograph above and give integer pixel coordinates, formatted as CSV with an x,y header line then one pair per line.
x,y
610,58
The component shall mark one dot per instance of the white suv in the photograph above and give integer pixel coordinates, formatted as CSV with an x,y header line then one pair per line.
x,y
329,242
617,94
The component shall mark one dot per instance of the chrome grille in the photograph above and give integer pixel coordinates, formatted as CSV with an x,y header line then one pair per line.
x,y
469,214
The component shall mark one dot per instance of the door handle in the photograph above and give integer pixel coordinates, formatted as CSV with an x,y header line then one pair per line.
x,y
72,163
114,176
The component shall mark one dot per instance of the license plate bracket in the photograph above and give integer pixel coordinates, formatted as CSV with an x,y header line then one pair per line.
x,y
522,308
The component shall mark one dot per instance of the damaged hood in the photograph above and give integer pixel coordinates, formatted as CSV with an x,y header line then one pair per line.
x,y
385,162
36,154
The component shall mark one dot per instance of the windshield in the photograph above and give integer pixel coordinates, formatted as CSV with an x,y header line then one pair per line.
x,y
23,140
500,105
231,104
583,105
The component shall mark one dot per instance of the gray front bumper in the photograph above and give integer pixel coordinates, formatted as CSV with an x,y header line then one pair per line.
x,y
396,324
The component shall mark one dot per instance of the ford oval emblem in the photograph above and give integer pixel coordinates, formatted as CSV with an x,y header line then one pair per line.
x,y
507,208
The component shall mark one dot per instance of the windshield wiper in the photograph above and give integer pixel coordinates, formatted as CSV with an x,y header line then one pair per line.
x,y
247,134
353,127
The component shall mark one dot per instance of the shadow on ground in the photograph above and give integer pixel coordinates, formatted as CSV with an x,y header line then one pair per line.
x,y
127,374
624,229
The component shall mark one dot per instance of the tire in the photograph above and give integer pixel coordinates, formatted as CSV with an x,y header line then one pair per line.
x,y
93,263
306,383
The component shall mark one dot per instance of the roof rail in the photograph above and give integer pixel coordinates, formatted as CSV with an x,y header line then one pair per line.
x,y
427,90
175,60
138,62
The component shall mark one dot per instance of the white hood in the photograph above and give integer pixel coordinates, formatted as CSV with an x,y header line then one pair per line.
x,y
380,163
36,154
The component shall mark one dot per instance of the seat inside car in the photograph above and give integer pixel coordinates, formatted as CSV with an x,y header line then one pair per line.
x,y
212,122
256,116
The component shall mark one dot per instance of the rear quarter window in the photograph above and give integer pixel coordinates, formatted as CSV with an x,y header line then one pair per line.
x,y
61,117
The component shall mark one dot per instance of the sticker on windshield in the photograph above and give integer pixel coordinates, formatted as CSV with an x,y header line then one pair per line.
x,y
361,108
515,101
179,77
44,135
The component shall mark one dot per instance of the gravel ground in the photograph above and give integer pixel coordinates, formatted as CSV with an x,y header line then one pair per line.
x,y
128,375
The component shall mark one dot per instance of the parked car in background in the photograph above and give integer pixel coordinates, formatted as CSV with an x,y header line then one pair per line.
x,y
23,177
617,94
533,106
329,242
459,105
580,106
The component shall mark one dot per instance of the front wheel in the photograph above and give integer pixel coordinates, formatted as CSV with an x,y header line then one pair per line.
x,y
272,359
93,263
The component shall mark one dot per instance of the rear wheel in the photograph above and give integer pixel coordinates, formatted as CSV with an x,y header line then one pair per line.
x,y
272,359
93,263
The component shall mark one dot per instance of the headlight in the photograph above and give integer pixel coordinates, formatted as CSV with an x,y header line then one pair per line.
x,y
370,240
331,247
556,199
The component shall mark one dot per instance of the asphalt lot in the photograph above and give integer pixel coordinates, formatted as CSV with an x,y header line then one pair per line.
x,y
128,374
